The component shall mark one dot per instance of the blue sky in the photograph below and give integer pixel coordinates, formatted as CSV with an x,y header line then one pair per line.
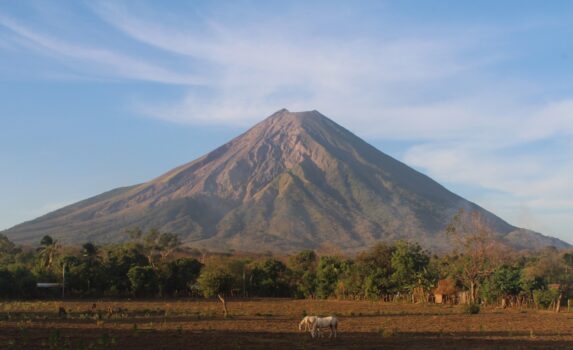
x,y
478,95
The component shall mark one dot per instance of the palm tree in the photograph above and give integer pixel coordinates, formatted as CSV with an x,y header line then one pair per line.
x,y
90,251
48,251
90,267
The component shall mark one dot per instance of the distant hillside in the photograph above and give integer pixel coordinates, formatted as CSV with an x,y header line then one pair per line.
x,y
293,181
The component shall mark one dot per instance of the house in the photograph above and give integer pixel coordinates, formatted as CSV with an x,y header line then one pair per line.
x,y
445,292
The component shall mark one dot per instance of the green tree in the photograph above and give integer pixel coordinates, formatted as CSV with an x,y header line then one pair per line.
x,y
8,250
330,269
143,280
269,278
303,267
216,281
410,265
116,265
370,275
179,275
91,269
303,261
156,245
504,283
167,244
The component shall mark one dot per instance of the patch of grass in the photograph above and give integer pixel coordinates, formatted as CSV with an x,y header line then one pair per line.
x,y
387,333
472,309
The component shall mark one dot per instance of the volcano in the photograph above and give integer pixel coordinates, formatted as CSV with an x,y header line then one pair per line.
x,y
293,181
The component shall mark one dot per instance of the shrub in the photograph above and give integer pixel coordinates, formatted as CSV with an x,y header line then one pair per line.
x,y
6,283
472,309
545,297
24,283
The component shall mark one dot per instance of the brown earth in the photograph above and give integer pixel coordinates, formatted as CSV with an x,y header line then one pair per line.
x,y
273,324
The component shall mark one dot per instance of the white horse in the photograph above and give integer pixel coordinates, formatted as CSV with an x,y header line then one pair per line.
x,y
306,323
324,322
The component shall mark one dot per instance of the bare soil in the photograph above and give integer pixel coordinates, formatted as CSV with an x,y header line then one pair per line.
x,y
273,324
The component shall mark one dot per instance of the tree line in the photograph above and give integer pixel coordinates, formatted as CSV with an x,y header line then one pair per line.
x,y
155,264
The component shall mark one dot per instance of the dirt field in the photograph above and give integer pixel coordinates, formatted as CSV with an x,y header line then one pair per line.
x,y
273,324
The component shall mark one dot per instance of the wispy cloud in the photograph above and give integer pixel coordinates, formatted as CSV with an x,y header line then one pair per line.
x,y
470,125
101,61
510,183
256,69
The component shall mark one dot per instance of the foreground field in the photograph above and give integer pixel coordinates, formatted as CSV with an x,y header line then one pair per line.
x,y
273,324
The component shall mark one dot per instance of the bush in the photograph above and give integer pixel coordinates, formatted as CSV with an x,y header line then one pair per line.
x,y
6,283
24,283
545,297
472,309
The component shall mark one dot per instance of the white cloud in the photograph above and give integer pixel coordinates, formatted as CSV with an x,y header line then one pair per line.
x,y
511,183
254,70
471,127
117,65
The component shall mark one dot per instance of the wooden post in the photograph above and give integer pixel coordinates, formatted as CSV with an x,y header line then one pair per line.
x,y
220,296
558,306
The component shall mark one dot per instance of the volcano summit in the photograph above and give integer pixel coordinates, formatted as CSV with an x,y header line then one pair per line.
x,y
293,181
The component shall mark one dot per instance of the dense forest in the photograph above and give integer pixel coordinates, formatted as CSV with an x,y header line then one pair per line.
x,y
155,264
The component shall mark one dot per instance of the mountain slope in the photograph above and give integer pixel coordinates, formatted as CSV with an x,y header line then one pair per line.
x,y
293,181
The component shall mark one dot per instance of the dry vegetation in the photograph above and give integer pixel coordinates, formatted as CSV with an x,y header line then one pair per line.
x,y
272,324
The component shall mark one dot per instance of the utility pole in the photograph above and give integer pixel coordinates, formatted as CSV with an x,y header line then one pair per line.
x,y
244,283
63,281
